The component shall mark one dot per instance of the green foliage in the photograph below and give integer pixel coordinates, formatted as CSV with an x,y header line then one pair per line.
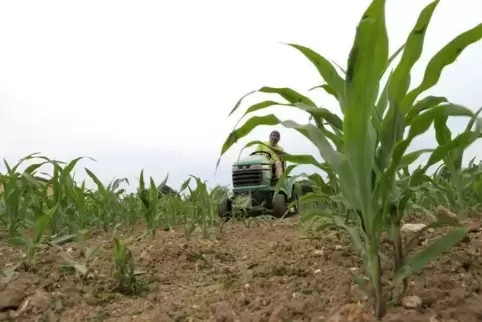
x,y
26,198
125,274
35,242
366,152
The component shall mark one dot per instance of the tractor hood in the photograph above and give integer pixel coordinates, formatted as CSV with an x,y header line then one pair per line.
x,y
252,159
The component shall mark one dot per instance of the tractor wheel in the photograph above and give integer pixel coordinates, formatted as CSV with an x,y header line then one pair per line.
x,y
279,205
225,209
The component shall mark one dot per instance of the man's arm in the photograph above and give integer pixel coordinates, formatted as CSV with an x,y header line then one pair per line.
x,y
280,155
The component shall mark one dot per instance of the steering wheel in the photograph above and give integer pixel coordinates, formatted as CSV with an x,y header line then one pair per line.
x,y
267,154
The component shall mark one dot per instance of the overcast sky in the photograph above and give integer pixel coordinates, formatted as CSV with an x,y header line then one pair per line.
x,y
149,84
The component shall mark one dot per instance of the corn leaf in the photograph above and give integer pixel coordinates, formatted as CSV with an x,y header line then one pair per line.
x,y
416,263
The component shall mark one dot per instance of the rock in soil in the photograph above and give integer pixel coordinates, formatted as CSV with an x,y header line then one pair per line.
x,y
412,302
15,292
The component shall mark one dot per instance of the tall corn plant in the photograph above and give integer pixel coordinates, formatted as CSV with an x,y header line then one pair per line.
x,y
368,148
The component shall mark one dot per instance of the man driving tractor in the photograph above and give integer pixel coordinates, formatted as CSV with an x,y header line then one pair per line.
x,y
274,138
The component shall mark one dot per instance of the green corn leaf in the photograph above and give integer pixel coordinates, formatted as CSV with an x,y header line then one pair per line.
x,y
33,167
326,70
185,184
462,141
391,132
366,64
99,184
282,180
411,157
446,56
458,154
68,169
381,105
472,121
163,183
142,184
315,197
18,241
288,94
339,67
420,125
412,242
42,223
423,121
316,112
416,263
327,89
400,81
317,214
392,58
246,128
322,113
424,104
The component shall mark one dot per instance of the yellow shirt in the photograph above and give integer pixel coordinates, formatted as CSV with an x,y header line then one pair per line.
x,y
274,156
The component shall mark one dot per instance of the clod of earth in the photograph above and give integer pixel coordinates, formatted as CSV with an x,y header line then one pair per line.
x,y
16,291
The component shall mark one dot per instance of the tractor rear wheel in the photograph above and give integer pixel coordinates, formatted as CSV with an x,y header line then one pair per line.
x,y
279,205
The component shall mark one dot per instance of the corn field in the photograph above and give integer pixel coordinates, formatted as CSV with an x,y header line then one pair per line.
x,y
368,186
28,197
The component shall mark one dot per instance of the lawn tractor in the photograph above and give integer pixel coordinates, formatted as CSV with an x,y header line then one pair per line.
x,y
254,184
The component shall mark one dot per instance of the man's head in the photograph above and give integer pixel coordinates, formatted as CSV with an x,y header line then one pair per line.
x,y
274,138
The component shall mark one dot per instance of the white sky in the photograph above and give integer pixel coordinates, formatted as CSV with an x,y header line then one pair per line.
x,y
148,84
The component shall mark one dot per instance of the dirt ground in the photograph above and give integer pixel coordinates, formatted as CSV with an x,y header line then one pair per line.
x,y
269,272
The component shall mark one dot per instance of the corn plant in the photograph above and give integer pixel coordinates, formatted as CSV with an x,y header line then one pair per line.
x,y
16,187
35,242
367,147
107,198
124,269
202,209
150,199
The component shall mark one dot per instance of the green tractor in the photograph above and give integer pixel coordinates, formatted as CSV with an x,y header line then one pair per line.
x,y
254,184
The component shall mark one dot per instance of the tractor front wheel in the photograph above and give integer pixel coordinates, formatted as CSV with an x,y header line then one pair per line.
x,y
279,205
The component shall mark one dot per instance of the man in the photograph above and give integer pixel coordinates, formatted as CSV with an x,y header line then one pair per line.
x,y
274,138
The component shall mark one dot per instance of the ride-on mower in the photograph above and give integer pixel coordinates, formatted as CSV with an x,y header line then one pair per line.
x,y
254,184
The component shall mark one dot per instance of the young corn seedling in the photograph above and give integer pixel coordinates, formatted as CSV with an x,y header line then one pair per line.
x,y
124,269
367,147
32,244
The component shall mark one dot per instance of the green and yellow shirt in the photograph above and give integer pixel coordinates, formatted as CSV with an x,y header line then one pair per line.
x,y
274,156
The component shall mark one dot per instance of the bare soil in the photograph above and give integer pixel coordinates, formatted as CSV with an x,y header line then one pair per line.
x,y
269,272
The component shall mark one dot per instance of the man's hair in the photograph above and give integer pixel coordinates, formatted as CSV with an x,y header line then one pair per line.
x,y
275,133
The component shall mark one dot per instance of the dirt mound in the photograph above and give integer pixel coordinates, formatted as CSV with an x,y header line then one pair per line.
x,y
263,273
